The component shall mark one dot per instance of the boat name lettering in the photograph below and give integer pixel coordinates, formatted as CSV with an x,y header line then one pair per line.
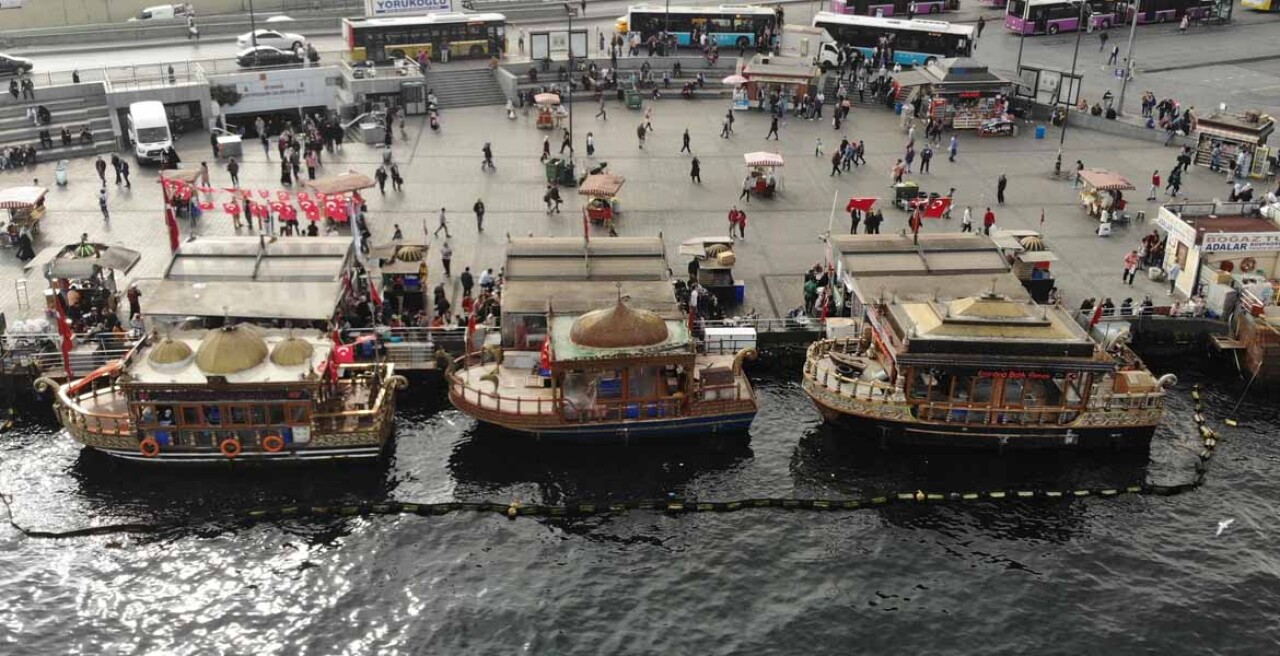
x,y
1015,375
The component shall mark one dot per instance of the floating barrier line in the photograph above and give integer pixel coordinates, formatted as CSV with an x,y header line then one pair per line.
x,y
516,509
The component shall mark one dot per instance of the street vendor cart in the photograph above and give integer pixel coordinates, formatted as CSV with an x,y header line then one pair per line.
x,y
549,113
1027,253
712,267
1101,194
402,271
764,169
601,191
25,206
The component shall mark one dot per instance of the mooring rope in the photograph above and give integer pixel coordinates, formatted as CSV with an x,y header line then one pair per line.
x,y
515,509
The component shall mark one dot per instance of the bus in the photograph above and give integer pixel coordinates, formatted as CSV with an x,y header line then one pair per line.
x,y
915,42
1030,17
738,26
1261,5
886,8
1171,11
457,34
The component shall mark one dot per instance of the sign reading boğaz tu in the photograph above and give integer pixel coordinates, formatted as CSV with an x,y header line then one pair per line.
x,y
376,8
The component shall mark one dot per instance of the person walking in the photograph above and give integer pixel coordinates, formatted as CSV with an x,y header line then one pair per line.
x,y
478,208
233,169
982,23
695,170
953,148
591,145
733,221
1102,40
926,156
836,159
487,162
966,220
988,221
1130,267
1175,182
566,142
742,225
747,183
648,118
873,221
381,176
1174,271
446,257
468,282
102,203
1115,56
101,166
640,134
312,163
1155,185
684,148
444,225
115,165
1186,22
124,172
602,114
725,131
773,129
546,149
1001,183
899,169
397,181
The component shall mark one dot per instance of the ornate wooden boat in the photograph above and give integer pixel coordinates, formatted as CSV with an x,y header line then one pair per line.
x,y
236,393
613,374
983,371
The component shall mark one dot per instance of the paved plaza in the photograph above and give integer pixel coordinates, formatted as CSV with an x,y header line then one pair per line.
x,y
783,235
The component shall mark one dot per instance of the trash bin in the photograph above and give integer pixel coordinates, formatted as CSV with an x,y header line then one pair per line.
x,y
1040,130
634,99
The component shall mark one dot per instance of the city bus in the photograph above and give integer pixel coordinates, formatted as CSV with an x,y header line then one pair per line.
x,y
462,35
1261,5
915,42
1171,11
1029,17
738,26
885,8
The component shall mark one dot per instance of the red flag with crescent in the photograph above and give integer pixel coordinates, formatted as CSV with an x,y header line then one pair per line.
x,y
860,204
232,208
936,208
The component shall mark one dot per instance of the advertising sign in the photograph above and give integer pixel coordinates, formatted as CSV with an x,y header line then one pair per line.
x,y
387,8
270,91
11,4
1240,242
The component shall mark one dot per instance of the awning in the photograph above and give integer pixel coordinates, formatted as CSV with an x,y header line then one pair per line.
x,y
763,159
601,185
1225,133
546,99
778,79
1037,257
1105,180
21,197
341,184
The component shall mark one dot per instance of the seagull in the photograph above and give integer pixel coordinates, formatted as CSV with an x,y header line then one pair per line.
x,y
1222,526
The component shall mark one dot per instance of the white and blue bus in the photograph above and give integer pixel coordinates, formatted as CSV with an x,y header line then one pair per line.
x,y
737,26
915,42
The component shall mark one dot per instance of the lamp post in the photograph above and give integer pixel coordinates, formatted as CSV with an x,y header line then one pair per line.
x,y
1128,60
253,27
1076,83
568,8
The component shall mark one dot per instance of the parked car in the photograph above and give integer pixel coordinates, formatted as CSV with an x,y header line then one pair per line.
x,y
281,40
10,65
267,56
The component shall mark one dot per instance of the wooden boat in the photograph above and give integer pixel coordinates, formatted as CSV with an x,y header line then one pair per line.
x,y
236,393
612,374
985,371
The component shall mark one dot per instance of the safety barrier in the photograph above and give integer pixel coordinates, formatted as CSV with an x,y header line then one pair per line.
x,y
515,509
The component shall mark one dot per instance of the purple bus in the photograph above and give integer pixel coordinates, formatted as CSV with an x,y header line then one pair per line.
x,y
1169,11
886,8
1029,17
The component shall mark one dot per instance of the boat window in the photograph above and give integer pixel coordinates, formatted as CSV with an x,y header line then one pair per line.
x,y
982,388
146,415
941,390
166,415
920,381
297,413
213,415
239,415
1013,391
960,390
191,416
275,414
257,415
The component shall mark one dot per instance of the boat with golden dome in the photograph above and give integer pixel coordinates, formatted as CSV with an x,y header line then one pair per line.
x,y
618,373
233,393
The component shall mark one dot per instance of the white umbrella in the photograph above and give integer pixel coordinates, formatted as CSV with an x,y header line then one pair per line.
x,y
735,79
546,99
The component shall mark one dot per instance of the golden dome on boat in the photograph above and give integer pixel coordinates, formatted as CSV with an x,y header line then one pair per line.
x,y
1031,243
409,254
716,249
230,350
170,352
291,352
618,327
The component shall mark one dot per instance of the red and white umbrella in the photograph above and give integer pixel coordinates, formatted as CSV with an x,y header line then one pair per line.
x,y
735,79
546,99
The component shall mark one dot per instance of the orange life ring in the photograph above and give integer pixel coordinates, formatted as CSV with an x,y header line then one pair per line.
x,y
149,447
273,444
1248,264
230,447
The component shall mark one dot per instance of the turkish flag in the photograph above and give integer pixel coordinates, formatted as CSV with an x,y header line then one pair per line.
x,y
1097,315
206,205
860,204
936,208
283,195
264,193
231,208
171,223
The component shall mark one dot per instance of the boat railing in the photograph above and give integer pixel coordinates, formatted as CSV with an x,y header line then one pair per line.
x,y
831,379
961,413
75,416
1108,400
767,324
463,392
364,416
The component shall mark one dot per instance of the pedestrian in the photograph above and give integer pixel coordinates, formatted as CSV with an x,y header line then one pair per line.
x,y
397,182
204,175
1130,267
966,221
381,176
695,170
602,114
855,217
836,158
478,208
134,297
102,204
1186,22
101,166
312,163
914,223
213,143
295,163
446,256
487,162
115,165
747,184
817,148
1174,270
124,172
988,222
546,149
1175,182
685,141
444,225
591,145
1102,40
953,148
982,23
648,118
724,129
773,129
899,169
1115,55
468,282
397,234
742,225
925,156
1155,185
1001,183
640,134
873,220
733,221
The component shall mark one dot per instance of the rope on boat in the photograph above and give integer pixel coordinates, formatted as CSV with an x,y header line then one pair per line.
x,y
512,510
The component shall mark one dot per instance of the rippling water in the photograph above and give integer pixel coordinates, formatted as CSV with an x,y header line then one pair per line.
x,y
1123,576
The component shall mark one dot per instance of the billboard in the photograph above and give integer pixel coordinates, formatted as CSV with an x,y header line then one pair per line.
x,y
388,8
278,90
11,4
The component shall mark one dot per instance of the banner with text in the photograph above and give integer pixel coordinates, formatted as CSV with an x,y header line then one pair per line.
x,y
385,8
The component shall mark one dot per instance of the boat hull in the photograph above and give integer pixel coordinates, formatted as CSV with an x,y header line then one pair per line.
x,y
256,458
889,432
627,431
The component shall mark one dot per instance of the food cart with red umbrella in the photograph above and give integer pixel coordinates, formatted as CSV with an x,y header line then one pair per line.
x,y
601,190
548,114
1100,194
25,206
764,168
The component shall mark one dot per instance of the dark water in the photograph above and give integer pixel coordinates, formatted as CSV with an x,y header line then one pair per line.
x,y
1132,575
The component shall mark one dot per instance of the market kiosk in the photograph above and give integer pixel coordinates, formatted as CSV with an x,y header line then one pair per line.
x,y
1234,133
964,94
1101,194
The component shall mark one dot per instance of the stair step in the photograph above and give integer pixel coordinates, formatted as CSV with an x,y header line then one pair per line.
x,y
100,127
19,109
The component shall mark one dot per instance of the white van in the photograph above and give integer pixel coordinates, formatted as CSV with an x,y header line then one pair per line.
x,y
149,130
163,12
